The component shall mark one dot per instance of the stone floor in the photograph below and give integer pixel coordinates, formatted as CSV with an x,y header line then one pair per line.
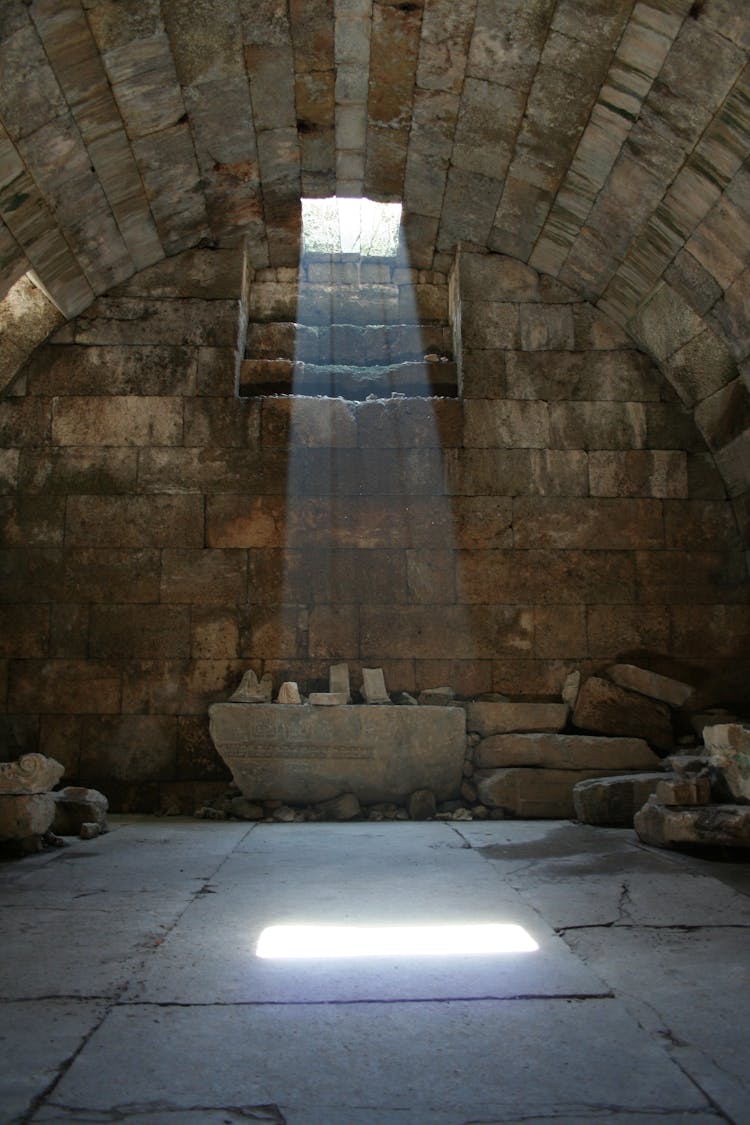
x,y
131,991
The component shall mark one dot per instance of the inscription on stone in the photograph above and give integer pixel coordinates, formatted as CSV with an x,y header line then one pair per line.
x,y
305,754
282,750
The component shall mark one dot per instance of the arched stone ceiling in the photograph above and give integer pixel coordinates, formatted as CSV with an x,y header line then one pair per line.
x,y
604,142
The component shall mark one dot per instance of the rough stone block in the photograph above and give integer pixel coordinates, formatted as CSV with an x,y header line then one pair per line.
x,y
102,575
546,327
203,577
488,719
608,709
709,826
135,521
683,791
613,801
532,793
24,630
119,421
64,687
506,424
728,746
76,806
661,473
564,751
130,749
90,471
303,754
597,425
139,631
72,369
22,816
663,688
541,521
308,422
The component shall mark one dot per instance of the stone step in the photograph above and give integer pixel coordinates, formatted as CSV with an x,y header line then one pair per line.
x,y
282,376
347,343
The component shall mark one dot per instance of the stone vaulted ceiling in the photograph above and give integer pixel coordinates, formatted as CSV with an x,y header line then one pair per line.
x,y
604,142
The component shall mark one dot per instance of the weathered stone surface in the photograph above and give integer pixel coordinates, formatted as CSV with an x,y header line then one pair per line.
x,y
711,825
328,698
663,688
32,773
252,690
373,686
304,754
76,806
606,708
519,791
564,751
683,791
571,687
436,697
499,718
245,809
421,804
728,746
344,807
24,815
613,801
289,693
338,679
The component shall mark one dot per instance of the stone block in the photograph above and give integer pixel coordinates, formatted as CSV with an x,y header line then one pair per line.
x,y
135,521
303,754
564,752
24,421
486,324
308,422
506,424
551,577
709,826
102,575
32,520
542,521
546,327
488,719
728,747
203,577
24,630
64,687
327,699
639,473
421,805
76,806
72,369
117,420
31,773
132,631
289,693
613,629
92,471
683,791
132,321
344,807
533,793
26,815
608,709
598,425
663,688
133,750
468,633
613,801
222,423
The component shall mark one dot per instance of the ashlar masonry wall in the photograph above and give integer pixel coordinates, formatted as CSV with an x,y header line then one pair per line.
x,y
161,535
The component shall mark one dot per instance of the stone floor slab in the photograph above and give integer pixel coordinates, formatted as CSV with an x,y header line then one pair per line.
x,y
474,1060
37,1039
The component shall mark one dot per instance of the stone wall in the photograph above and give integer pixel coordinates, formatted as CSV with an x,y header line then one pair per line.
x,y
161,535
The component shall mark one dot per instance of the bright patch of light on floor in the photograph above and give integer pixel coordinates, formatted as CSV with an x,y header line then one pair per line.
x,y
393,941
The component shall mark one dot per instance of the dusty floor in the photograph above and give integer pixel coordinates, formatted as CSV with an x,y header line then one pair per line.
x,y
131,991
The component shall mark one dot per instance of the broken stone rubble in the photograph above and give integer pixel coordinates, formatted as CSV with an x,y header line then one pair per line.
x,y
32,815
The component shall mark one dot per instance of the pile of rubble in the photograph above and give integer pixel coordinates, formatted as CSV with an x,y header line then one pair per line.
x,y
34,815
599,754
